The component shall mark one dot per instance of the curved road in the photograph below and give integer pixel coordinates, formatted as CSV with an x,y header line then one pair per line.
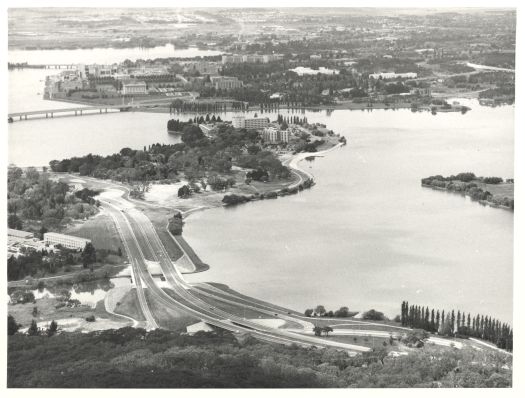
x,y
142,243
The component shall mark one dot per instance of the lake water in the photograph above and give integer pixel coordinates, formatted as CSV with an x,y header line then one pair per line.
x,y
367,235
103,55
88,293
26,86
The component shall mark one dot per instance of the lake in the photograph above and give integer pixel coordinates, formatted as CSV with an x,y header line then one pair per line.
x,y
104,55
367,235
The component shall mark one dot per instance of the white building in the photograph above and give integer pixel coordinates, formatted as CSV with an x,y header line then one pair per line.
x,y
20,234
251,58
275,136
225,82
233,59
238,122
16,240
71,84
271,135
256,123
203,67
69,241
208,129
134,88
95,70
284,136
392,75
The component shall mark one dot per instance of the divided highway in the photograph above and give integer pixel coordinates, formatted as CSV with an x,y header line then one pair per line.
x,y
142,244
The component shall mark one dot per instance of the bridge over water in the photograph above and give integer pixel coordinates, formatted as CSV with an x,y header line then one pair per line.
x,y
78,111
25,65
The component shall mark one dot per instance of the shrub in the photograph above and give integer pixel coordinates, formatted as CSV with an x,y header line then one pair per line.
x,y
374,315
492,180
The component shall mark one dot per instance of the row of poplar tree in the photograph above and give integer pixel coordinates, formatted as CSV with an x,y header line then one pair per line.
x,y
458,324
291,119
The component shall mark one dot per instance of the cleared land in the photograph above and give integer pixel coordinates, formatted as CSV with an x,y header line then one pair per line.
x,y
129,306
503,189
23,313
168,318
102,232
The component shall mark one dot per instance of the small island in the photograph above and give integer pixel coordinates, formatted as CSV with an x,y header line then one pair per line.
x,y
492,191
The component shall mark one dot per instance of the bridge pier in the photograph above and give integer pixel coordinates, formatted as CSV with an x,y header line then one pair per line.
x,y
50,113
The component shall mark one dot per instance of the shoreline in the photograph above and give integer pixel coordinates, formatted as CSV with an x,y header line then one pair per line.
x,y
292,163
163,106
481,202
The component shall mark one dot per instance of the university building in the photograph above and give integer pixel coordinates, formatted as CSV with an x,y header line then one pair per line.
x,y
275,136
240,122
68,241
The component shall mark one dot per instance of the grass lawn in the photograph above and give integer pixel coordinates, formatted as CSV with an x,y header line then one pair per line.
x,y
199,264
275,185
504,189
78,274
159,218
129,306
102,232
23,313
375,342
357,326
166,317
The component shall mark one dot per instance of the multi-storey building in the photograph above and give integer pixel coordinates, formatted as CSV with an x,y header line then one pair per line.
x,y
238,122
98,71
271,135
225,82
68,241
251,58
275,136
232,59
203,67
392,75
257,123
134,88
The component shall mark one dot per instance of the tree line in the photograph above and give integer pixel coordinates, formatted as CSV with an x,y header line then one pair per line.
x,y
37,203
469,184
292,120
197,156
457,324
180,106
177,125
118,358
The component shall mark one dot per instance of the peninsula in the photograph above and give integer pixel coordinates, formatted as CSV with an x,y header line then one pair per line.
x,y
492,191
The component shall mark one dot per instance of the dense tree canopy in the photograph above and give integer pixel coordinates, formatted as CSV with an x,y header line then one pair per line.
x,y
134,358
35,201
196,157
